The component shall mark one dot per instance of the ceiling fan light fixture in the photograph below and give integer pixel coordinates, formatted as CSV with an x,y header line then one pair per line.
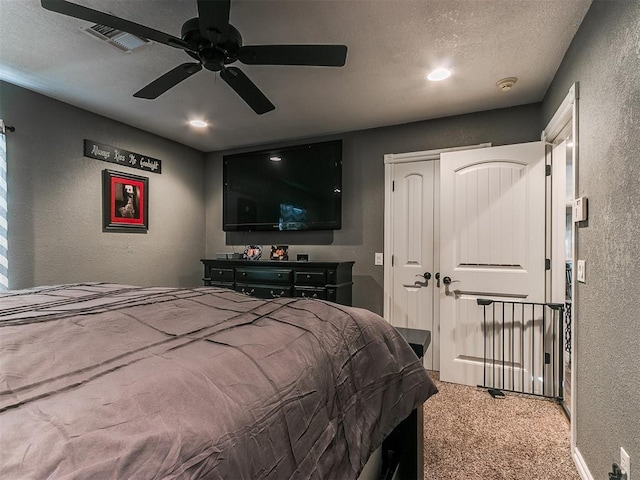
x,y
439,74
198,123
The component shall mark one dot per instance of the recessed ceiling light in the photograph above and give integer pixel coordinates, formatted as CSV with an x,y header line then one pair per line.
x,y
275,158
439,74
198,123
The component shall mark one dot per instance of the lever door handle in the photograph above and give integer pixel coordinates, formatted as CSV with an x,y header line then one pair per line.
x,y
427,277
438,279
447,281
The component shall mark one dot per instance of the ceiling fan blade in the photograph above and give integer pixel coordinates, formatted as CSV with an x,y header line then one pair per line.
x,y
213,18
168,80
101,18
313,55
244,87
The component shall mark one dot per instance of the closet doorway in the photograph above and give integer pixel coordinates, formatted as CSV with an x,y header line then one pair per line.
x,y
463,206
412,243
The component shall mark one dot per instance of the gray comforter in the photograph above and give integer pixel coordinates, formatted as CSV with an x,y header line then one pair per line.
x,y
112,381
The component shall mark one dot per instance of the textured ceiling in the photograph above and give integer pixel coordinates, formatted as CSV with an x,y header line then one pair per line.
x,y
392,45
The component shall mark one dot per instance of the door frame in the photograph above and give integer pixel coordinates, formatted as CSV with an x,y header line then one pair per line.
x,y
389,161
566,117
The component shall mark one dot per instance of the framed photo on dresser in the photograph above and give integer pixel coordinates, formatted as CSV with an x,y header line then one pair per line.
x,y
125,202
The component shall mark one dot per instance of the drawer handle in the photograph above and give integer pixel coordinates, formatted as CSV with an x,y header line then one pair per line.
x,y
279,275
251,292
244,274
315,295
277,295
308,276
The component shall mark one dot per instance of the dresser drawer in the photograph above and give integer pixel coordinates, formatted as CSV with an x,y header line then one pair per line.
x,y
264,291
263,275
310,292
209,283
220,275
310,277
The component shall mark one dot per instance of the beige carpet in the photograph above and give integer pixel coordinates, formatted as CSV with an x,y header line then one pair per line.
x,y
470,435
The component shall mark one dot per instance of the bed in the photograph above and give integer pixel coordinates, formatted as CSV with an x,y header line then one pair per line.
x,y
104,380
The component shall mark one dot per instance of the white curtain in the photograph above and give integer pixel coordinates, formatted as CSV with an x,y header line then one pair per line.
x,y
4,246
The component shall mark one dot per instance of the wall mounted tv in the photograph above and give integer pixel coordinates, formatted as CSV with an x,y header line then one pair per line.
x,y
293,188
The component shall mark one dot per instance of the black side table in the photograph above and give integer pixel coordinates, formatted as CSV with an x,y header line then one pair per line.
x,y
419,340
402,450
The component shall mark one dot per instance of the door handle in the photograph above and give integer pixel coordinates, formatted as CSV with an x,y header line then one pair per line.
x,y
438,279
427,277
447,281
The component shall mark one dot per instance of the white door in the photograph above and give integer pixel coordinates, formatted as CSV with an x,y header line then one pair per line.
x,y
492,245
412,234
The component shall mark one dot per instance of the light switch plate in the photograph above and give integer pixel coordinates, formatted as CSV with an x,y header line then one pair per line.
x,y
379,259
625,462
581,273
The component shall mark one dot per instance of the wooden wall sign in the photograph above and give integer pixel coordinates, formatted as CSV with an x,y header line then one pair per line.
x,y
107,153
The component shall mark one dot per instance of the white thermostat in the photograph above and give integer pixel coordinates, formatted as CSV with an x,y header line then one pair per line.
x,y
580,210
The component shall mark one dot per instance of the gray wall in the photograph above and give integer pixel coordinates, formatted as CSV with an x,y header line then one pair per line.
x,y
604,58
362,232
55,214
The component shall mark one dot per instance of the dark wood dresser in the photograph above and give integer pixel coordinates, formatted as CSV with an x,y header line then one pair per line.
x,y
272,279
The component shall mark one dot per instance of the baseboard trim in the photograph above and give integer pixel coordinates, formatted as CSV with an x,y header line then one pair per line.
x,y
583,470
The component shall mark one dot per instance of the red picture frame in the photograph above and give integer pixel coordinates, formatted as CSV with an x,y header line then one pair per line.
x,y
125,202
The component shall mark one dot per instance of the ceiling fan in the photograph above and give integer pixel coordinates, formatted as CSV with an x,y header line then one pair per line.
x,y
214,43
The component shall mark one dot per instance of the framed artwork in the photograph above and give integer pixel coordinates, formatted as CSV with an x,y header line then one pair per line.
x,y
125,202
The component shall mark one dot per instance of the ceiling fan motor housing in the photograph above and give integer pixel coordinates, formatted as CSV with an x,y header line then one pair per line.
x,y
213,56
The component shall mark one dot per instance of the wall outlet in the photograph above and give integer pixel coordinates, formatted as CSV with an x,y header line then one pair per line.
x,y
379,259
581,271
625,462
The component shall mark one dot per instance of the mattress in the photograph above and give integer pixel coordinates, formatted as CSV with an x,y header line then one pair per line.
x,y
115,381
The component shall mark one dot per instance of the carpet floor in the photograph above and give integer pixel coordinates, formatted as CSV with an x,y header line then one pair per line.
x,y
470,435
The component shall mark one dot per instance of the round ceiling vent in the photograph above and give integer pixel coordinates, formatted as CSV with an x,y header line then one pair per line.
x,y
506,84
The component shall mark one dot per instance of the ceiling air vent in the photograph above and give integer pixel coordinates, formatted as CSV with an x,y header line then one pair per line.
x,y
123,41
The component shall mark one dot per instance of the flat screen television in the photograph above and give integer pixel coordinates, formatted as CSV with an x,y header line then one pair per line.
x,y
293,188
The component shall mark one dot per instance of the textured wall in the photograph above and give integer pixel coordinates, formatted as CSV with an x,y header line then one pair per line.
x,y
55,200
362,232
604,58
